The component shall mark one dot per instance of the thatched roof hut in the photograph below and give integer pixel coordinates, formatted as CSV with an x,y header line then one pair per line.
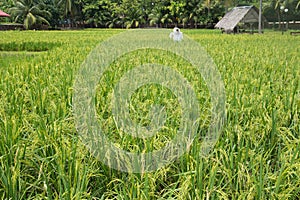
x,y
241,14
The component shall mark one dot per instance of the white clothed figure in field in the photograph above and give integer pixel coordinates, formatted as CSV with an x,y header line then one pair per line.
x,y
176,35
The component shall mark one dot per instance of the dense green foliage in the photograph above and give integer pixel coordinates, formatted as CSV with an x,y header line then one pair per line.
x,y
136,13
256,157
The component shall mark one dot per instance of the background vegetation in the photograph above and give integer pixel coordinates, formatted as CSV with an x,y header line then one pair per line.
x,y
136,13
256,157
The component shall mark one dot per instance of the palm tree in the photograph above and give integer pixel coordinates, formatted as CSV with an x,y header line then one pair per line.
x,y
228,4
193,10
134,19
176,10
157,14
129,13
67,5
277,6
98,13
30,12
71,8
6,4
167,19
208,6
156,19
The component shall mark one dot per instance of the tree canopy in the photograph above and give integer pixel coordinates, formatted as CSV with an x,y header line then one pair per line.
x,y
136,13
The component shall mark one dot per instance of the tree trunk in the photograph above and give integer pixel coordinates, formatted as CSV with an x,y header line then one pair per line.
x,y
279,19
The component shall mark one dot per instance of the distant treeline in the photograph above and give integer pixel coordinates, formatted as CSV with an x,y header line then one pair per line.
x,y
136,13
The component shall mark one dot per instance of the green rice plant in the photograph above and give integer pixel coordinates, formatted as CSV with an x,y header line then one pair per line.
x,y
27,46
256,157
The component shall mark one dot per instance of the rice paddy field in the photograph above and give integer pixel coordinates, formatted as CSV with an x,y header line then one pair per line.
x,y
255,157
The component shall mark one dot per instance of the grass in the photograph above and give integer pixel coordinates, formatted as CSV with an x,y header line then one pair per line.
x,y
256,157
27,46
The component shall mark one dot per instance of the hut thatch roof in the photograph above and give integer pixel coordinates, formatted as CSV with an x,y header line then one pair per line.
x,y
244,14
